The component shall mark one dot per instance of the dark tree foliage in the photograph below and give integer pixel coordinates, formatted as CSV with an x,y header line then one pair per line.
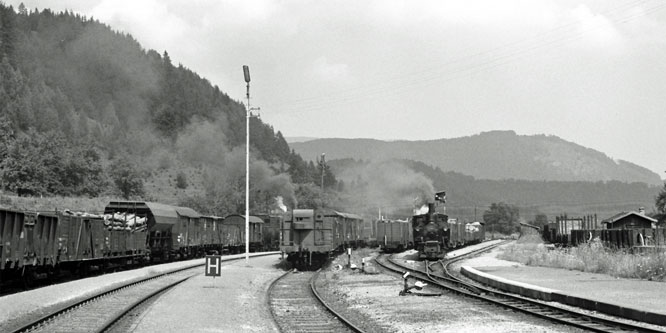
x,y
72,75
181,180
540,220
502,217
660,204
83,173
126,177
42,164
7,32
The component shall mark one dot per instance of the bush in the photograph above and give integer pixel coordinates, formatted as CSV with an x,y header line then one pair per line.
x,y
181,180
592,257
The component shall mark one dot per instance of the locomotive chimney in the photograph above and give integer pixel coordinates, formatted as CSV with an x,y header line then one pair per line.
x,y
431,208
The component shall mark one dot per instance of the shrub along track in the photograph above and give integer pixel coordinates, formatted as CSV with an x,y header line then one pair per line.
x,y
297,307
451,283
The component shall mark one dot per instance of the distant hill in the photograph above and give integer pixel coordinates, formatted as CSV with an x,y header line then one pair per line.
x,y
468,197
491,155
299,139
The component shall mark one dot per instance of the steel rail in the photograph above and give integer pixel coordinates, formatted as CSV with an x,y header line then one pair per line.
x,y
33,324
116,318
329,308
320,321
517,303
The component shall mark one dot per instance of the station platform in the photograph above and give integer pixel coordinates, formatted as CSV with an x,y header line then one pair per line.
x,y
234,302
639,300
198,305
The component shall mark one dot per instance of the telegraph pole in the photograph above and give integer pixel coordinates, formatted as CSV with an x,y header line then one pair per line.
x,y
246,73
323,169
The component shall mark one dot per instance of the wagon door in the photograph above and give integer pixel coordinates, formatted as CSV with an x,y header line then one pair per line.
x,y
12,233
319,233
285,231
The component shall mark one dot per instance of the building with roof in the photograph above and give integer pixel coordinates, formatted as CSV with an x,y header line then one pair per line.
x,y
630,220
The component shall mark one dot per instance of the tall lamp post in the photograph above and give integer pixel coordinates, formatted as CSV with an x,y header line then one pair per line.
x,y
246,73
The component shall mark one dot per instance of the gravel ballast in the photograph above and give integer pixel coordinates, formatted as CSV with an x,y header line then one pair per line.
x,y
373,301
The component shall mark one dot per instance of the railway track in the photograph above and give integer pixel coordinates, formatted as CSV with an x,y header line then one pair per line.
x,y
100,312
448,282
297,307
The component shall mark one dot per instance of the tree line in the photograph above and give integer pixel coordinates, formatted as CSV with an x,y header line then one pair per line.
x,y
86,110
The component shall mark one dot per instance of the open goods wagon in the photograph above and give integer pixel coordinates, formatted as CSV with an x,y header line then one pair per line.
x,y
36,244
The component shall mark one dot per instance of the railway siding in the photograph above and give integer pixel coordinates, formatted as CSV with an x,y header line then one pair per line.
x,y
374,300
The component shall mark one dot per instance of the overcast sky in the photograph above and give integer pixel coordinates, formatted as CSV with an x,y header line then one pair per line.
x,y
591,72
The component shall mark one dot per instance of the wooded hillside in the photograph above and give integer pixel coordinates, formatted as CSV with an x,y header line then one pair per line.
x,y
85,110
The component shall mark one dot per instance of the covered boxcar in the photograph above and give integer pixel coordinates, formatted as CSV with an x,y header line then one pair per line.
x,y
213,235
394,235
271,231
309,235
235,228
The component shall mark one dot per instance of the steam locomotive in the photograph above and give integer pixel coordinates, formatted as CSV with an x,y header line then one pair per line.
x,y
434,233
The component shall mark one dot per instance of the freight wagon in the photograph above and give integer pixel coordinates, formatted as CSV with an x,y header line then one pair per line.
x,y
173,232
309,235
235,226
271,231
394,235
620,238
129,233
35,245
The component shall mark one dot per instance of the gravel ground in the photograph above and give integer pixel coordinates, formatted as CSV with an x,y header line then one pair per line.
x,y
373,301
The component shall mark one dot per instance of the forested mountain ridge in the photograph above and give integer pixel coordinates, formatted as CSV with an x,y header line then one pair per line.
x,y
491,155
466,193
85,110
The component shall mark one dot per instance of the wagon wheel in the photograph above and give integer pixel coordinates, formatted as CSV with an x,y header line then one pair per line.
x,y
83,270
28,279
53,273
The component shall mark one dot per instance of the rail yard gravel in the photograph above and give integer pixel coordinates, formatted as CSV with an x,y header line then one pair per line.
x,y
372,300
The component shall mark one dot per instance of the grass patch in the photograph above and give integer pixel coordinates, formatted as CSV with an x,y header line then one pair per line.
x,y
592,258
50,204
